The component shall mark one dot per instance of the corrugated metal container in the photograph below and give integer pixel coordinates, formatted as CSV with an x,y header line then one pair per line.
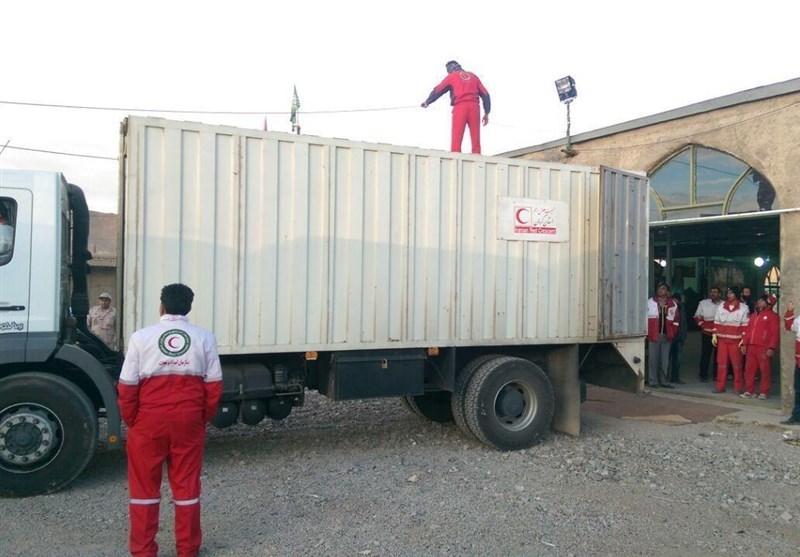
x,y
295,243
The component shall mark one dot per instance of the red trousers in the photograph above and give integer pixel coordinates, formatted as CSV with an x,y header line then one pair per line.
x,y
757,361
466,114
152,441
729,351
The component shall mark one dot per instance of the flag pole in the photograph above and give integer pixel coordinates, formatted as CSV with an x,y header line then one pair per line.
x,y
295,117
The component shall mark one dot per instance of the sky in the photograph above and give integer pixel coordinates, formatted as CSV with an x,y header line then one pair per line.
x,y
629,59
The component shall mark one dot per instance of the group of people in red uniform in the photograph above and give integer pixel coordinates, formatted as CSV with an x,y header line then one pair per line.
x,y
745,341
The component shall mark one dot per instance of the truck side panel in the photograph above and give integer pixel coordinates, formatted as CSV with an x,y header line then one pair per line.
x,y
301,243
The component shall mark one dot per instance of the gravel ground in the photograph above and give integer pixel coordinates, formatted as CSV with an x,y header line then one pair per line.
x,y
370,478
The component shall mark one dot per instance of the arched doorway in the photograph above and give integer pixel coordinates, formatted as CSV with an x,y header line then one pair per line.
x,y
712,223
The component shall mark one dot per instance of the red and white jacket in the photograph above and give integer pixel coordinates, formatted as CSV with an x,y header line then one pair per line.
x,y
705,314
763,329
793,324
171,370
667,321
731,322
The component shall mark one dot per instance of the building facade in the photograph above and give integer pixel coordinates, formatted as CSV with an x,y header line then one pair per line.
x,y
724,196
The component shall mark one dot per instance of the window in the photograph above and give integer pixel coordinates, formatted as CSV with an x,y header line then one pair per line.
x,y
703,182
8,214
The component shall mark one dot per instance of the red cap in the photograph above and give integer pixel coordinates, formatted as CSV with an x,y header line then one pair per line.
x,y
769,298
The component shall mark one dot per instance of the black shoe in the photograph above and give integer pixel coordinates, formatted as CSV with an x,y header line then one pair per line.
x,y
653,386
666,386
791,421
679,382
703,379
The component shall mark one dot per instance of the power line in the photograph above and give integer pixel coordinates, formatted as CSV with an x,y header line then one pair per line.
x,y
220,112
60,153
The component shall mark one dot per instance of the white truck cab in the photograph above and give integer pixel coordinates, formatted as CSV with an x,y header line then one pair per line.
x,y
56,380
30,306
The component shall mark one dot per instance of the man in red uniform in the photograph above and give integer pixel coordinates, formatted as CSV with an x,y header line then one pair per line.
x,y
169,388
729,325
704,317
760,341
465,88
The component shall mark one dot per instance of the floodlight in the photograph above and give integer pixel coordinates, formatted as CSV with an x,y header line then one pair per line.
x,y
566,94
566,89
758,262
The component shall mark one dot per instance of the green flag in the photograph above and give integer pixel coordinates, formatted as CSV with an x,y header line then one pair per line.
x,y
295,107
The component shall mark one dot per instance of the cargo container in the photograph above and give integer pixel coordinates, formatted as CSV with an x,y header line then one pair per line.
x,y
480,289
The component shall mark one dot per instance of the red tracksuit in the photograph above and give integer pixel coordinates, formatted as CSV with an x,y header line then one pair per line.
x,y
465,90
729,326
169,388
762,334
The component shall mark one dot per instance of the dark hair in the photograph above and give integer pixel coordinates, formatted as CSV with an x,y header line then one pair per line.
x,y
660,284
735,290
177,299
452,66
714,288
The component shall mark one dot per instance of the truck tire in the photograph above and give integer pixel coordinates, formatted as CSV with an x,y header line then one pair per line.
x,y
460,391
48,433
509,403
412,406
434,406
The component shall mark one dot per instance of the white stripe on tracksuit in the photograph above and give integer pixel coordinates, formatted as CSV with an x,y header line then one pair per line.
x,y
145,501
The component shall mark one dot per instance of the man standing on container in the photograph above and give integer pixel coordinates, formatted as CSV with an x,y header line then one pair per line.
x,y
704,317
792,323
465,89
729,326
663,321
169,388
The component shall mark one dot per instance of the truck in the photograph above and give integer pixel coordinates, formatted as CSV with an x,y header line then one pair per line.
x,y
480,290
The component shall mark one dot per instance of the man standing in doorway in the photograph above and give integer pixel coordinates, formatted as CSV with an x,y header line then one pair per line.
x,y
747,298
729,327
663,321
704,317
676,349
792,323
169,388
760,342
465,89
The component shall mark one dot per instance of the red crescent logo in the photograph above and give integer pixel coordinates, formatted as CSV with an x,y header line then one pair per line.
x,y
169,342
518,216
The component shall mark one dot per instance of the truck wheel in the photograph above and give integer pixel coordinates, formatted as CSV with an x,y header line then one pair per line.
x,y
509,403
435,406
459,393
48,433
412,406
